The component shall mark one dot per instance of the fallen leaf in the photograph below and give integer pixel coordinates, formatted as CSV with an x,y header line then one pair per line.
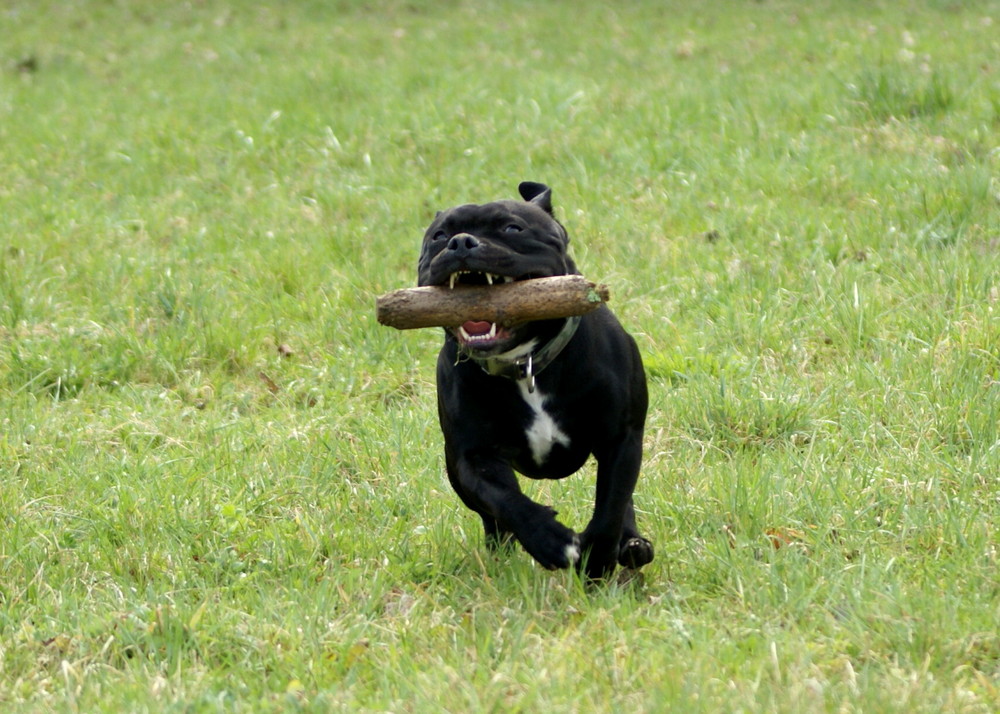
x,y
781,537
269,383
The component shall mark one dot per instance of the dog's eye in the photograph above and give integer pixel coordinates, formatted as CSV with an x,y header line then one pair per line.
x,y
440,235
512,228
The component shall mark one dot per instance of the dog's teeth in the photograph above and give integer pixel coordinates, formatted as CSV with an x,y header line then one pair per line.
x,y
451,280
489,278
507,278
472,339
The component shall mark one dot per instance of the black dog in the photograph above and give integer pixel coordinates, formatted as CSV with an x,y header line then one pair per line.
x,y
538,398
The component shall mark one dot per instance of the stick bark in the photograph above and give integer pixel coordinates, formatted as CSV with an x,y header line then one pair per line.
x,y
505,304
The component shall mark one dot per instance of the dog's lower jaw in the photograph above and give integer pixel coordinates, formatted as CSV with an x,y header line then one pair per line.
x,y
519,352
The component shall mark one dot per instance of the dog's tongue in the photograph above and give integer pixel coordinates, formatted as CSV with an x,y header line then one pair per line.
x,y
473,328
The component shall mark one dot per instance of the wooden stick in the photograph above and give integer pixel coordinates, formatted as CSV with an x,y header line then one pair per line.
x,y
504,304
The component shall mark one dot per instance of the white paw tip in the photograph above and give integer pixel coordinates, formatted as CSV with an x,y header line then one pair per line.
x,y
572,553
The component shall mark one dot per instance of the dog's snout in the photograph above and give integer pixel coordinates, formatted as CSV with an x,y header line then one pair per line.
x,y
463,243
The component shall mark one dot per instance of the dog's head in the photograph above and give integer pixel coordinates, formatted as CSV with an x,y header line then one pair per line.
x,y
495,242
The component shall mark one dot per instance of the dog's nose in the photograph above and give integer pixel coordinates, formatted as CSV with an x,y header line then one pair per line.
x,y
463,243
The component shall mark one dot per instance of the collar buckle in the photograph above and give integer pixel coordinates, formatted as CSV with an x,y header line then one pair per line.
x,y
528,372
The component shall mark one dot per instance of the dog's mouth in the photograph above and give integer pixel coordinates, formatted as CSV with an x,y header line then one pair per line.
x,y
480,335
476,277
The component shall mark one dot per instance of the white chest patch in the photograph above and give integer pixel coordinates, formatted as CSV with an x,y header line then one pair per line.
x,y
543,432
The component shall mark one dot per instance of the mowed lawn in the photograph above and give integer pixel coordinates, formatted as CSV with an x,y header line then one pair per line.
x,y
222,483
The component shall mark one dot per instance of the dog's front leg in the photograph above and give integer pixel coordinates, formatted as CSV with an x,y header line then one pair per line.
x,y
489,487
611,536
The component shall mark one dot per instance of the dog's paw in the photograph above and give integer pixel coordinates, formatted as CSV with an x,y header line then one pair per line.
x,y
572,552
635,553
553,545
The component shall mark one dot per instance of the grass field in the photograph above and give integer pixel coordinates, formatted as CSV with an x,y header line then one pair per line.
x,y
221,483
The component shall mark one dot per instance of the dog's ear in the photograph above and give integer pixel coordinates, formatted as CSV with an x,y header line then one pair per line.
x,y
537,193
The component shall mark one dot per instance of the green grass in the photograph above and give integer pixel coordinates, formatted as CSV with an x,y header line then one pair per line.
x,y
221,483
